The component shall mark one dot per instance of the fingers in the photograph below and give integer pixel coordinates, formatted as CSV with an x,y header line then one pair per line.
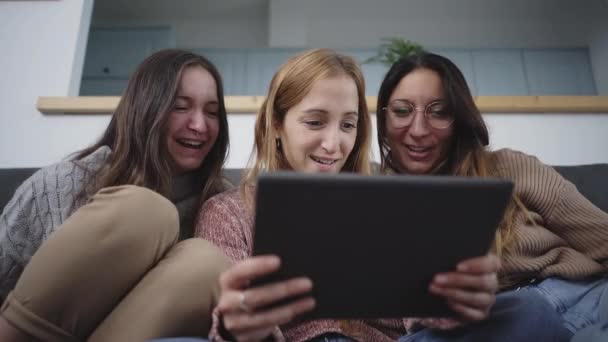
x,y
470,290
243,323
261,296
484,264
482,281
246,312
468,313
476,300
240,274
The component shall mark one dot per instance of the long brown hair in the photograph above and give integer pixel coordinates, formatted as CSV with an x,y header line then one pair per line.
x,y
469,155
137,132
290,84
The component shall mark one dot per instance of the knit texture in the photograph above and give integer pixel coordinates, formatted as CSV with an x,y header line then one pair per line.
x,y
46,199
38,207
569,239
569,236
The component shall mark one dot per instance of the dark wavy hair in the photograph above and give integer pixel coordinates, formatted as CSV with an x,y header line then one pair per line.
x,y
470,131
468,155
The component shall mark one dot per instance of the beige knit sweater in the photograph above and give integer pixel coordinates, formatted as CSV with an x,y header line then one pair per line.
x,y
569,239
570,236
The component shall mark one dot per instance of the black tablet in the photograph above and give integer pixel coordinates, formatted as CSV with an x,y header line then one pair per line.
x,y
371,244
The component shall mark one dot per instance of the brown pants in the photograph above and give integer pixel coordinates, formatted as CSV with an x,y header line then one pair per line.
x,y
114,271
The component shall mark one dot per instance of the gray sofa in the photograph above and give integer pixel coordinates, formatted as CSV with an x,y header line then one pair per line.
x,y
589,179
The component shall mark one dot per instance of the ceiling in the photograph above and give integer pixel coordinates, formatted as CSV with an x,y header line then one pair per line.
x,y
184,9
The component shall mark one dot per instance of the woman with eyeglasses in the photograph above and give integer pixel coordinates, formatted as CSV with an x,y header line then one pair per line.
x,y
552,242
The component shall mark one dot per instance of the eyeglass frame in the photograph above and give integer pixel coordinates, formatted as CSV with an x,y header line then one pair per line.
x,y
425,113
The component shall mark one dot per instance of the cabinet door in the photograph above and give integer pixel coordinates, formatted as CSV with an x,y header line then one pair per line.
x,y
116,53
499,72
373,72
559,72
262,65
102,87
231,64
464,61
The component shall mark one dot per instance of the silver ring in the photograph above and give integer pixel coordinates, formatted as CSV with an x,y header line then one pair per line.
x,y
242,305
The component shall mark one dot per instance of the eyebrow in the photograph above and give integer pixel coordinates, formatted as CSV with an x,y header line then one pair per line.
x,y
439,99
188,98
323,111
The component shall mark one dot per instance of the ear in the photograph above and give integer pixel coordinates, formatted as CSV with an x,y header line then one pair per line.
x,y
278,128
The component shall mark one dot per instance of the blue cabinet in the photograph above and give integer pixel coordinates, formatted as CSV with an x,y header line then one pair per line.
x,y
499,72
559,72
113,54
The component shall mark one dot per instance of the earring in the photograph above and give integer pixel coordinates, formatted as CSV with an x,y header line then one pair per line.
x,y
278,142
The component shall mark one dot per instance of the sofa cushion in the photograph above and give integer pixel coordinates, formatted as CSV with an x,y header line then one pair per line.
x,y
589,179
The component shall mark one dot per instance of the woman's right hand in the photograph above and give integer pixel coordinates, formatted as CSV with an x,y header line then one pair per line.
x,y
243,309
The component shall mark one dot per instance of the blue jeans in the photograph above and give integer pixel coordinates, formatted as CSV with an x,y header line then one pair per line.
x,y
522,315
597,332
577,302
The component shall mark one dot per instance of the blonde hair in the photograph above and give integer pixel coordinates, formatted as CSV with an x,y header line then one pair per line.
x,y
479,162
290,84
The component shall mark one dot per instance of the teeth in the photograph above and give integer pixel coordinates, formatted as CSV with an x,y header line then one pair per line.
x,y
324,161
418,149
192,143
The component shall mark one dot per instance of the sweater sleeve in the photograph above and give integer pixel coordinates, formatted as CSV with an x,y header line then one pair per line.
x,y
564,210
224,222
581,224
24,225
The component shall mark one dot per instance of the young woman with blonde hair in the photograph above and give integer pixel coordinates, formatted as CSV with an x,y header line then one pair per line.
x,y
314,119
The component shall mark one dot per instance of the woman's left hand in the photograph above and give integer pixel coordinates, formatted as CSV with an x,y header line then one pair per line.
x,y
471,289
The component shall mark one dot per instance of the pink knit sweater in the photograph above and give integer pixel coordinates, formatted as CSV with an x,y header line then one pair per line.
x,y
569,239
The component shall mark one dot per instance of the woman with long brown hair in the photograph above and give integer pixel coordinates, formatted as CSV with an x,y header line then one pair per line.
x,y
98,246
428,124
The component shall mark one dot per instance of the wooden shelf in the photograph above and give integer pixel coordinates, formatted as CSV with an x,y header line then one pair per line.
x,y
250,104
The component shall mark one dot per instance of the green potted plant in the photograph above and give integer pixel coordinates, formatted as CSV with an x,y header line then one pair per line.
x,y
393,49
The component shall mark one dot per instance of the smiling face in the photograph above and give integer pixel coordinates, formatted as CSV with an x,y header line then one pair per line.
x,y
418,148
318,134
193,123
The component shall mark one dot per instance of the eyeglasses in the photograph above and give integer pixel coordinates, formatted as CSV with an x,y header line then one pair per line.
x,y
402,113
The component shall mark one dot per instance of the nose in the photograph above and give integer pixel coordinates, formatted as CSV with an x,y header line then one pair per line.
x,y
419,126
197,122
331,140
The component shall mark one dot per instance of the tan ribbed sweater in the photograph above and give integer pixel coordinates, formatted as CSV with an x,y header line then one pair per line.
x,y
569,239
570,236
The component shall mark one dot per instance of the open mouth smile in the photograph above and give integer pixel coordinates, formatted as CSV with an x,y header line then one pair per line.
x,y
324,161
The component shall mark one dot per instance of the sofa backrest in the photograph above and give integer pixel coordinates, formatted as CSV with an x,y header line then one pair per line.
x,y
10,179
589,179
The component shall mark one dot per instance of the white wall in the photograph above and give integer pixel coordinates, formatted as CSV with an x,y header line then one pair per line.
x,y
556,139
41,55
